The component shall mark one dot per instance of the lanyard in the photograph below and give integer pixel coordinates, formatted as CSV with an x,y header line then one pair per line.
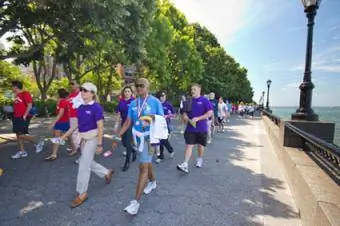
x,y
140,109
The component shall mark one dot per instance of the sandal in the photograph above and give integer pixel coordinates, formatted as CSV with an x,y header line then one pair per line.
x,y
51,158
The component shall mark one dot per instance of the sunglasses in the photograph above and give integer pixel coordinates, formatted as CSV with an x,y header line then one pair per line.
x,y
82,89
140,85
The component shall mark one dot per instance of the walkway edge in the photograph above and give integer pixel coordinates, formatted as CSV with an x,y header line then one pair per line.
x,y
317,196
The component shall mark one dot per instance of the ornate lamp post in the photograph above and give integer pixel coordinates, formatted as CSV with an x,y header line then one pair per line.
x,y
269,82
305,111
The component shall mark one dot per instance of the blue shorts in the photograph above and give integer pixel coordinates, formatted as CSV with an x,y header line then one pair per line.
x,y
62,126
144,156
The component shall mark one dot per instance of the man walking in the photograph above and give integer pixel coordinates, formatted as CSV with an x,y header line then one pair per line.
x,y
21,120
196,131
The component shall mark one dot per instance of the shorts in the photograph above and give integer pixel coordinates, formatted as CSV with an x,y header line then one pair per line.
x,y
62,126
20,126
192,138
144,156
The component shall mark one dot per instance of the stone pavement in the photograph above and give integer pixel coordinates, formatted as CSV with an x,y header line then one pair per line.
x,y
240,184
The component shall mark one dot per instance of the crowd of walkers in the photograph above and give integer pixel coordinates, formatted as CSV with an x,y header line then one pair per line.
x,y
142,124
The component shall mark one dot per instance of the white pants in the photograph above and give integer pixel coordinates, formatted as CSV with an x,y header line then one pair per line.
x,y
87,164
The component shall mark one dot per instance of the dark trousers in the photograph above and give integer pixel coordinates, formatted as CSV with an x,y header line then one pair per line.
x,y
165,143
127,142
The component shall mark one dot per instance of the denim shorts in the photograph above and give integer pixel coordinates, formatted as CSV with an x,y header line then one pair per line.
x,y
62,126
144,156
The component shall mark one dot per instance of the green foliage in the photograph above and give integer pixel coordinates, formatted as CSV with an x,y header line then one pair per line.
x,y
87,39
57,84
46,108
110,106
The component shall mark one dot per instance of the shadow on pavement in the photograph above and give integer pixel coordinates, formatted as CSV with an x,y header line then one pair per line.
x,y
223,192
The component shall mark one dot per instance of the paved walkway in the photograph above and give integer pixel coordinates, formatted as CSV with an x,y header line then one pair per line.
x,y
240,184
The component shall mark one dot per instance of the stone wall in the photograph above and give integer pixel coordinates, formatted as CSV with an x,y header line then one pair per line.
x,y
316,195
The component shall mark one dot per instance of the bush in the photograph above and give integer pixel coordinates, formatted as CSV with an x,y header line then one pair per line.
x,y
110,106
48,108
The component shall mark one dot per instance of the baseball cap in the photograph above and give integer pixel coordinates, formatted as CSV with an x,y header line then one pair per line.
x,y
143,81
90,87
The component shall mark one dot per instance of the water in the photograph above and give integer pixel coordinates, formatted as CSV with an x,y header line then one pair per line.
x,y
330,114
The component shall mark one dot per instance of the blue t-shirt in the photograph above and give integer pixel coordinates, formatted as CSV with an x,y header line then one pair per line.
x,y
152,107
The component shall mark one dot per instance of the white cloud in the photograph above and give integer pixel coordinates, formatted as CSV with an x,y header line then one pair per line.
x,y
326,61
224,18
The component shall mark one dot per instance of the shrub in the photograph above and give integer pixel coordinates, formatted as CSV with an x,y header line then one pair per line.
x,y
110,106
47,108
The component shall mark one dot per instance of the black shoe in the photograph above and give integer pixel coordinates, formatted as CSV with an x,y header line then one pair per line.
x,y
126,166
134,156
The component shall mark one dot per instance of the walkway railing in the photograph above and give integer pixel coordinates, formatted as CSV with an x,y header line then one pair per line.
x,y
274,118
327,155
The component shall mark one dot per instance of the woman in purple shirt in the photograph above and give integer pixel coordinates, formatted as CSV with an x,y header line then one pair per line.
x,y
90,125
122,112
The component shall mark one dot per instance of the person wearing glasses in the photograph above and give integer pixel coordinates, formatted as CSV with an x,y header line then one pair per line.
x,y
91,127
144,105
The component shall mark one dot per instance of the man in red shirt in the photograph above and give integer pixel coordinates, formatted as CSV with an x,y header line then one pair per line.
x,y
22,118
74,139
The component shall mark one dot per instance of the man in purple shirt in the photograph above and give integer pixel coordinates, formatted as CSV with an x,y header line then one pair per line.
x,y
197,110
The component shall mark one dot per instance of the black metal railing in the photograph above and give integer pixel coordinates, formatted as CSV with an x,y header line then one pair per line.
x,y
274,118
326,155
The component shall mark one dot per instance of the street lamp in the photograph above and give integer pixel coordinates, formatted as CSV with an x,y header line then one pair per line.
x,y
269,82
305,111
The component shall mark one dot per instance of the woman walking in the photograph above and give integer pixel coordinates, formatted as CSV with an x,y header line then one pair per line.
x,y
61,125
90,125
169,112
121,114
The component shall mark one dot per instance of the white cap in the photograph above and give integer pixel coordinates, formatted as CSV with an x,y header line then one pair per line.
x,y
90,87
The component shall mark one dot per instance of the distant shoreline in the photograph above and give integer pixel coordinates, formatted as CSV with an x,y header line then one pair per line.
x,y
312,106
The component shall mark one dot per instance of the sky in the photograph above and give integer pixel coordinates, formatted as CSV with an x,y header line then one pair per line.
x,y
268,37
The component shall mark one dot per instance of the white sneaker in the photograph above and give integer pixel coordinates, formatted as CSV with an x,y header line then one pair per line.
x,y
124,153
76,161
149,187
20,154
209,141
181,132
183,167
40,146
172,154
158,161
199,162
132,208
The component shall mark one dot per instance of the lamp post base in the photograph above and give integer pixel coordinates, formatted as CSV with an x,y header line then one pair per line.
x,y
305,116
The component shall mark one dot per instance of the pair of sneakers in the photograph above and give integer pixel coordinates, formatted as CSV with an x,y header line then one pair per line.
x,y
23,154
133,208
184,166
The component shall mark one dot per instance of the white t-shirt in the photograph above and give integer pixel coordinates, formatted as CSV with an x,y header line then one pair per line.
x,y
222,109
